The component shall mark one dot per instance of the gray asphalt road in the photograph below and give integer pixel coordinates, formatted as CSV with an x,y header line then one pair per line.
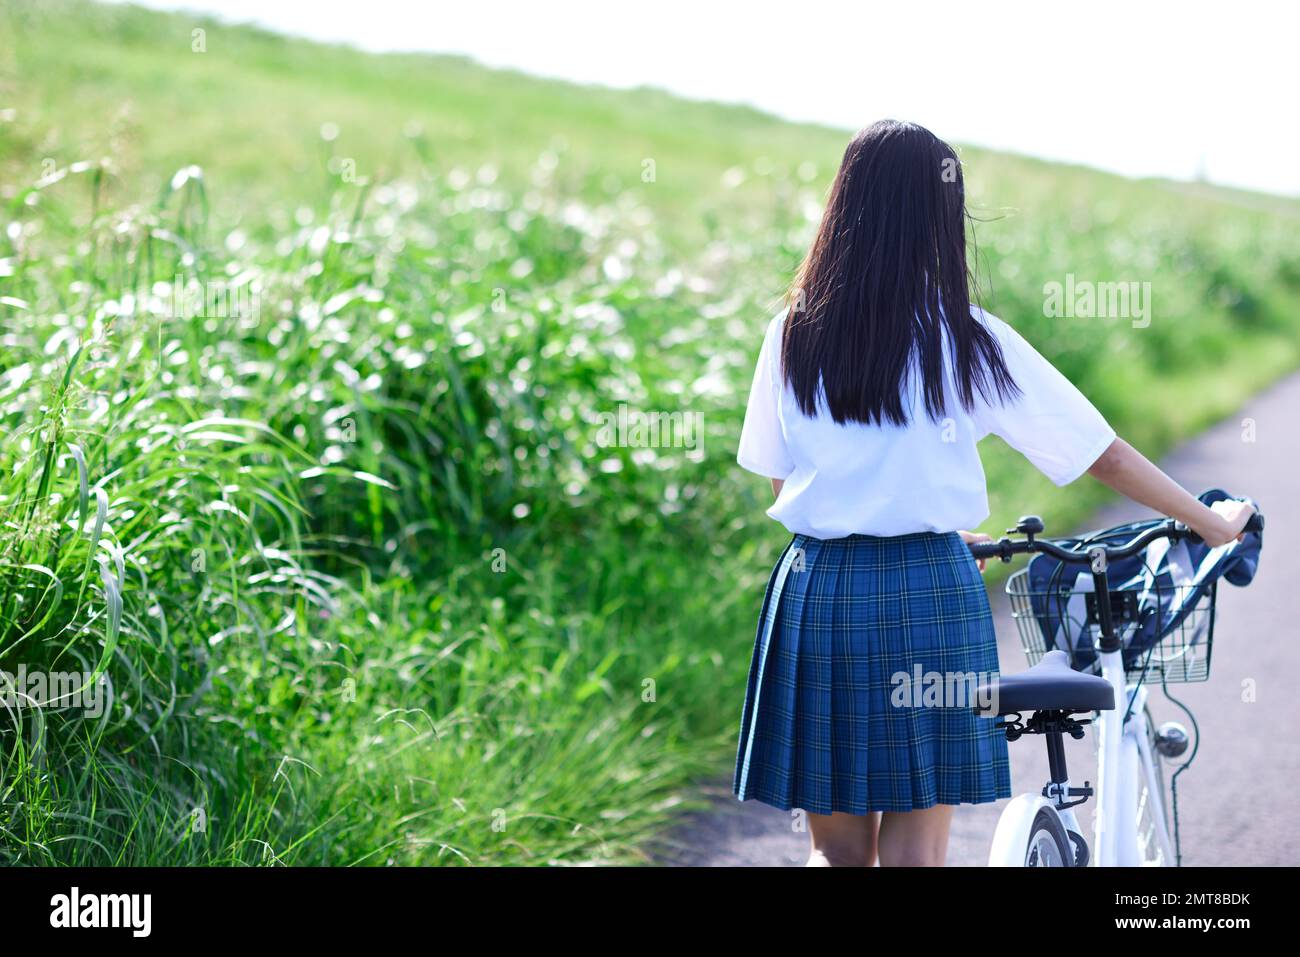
x,y
1234,801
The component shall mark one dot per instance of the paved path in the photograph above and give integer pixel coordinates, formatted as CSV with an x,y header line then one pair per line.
x,y
1235,800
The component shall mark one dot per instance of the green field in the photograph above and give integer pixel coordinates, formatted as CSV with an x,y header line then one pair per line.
x,y
342,538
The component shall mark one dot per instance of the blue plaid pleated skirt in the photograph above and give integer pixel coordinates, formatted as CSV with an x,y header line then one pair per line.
x,y
865,649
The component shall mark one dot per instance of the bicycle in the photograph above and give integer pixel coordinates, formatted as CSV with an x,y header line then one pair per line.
x,y
1131,825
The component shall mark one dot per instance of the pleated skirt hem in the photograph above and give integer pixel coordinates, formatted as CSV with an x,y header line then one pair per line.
x,y
784,805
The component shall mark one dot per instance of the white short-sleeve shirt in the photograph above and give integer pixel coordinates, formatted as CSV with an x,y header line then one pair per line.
x,y
842,479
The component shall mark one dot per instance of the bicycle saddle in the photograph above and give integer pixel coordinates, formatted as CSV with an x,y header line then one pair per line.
x,y
1050,685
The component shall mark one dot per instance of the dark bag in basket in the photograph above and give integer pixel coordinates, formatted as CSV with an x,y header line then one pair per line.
x,y
1166,583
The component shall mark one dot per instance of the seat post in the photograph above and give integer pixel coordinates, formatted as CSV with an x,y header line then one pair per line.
x,y
1056,755
1052,724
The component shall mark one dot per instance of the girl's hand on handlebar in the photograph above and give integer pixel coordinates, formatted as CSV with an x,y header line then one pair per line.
x,y
1225,520
972,538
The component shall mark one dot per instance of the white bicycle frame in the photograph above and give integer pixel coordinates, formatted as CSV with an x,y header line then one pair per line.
x,y
1125,762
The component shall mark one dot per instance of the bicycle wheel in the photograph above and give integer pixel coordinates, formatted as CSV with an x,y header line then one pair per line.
x,y
1048,844
1154,842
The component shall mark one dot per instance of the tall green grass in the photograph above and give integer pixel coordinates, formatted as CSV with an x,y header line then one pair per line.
x,y
365,584
383,598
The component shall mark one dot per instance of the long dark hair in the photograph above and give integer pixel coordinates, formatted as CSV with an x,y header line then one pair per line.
x,y
886,271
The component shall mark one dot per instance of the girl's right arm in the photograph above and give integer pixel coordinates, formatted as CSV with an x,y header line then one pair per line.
x,y
1129,472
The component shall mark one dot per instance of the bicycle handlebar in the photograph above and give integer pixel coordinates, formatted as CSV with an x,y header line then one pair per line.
x,y
1005,548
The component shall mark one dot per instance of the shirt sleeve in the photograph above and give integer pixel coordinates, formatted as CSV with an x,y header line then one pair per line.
x,y
763,449
1050,422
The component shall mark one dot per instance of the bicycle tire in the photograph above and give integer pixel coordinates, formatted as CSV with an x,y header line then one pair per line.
x,y
1148,840
1049,845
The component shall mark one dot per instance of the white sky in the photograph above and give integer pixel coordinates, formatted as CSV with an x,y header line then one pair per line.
x,y
1138,87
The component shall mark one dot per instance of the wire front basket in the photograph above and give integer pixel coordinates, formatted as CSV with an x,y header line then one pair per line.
x,y
1167,632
